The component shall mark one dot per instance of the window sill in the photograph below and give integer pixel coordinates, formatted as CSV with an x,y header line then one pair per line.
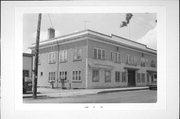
x,y
65,81
117,62
74,60
99,59
76,81
62,61
52,63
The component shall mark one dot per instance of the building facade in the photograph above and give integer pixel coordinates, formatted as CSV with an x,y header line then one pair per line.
x,y
89,59
27,65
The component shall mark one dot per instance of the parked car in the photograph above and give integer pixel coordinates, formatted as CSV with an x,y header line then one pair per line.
x,y
27,84
153,85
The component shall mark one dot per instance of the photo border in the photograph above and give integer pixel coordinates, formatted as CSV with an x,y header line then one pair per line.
x,y
161,57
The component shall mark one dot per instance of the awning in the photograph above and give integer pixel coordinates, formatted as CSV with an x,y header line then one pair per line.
x,y
151,71
131,68
100,66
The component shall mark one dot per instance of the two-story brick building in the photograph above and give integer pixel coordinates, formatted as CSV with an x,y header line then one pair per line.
x,y
89,59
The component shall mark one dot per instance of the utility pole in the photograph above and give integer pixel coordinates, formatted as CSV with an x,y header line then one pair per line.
x,y
36,58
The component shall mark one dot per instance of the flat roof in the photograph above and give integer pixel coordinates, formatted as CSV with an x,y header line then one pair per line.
x,y
109,38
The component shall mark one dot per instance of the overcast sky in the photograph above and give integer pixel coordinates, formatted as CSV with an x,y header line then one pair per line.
x,y
139,28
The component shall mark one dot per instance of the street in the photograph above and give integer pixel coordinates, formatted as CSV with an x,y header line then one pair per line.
x,y
139,96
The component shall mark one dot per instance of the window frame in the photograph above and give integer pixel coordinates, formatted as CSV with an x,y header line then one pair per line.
x,y
95,74
77,54
123,76
143,77
99,54
76,76
117,76
107,78
63,55
51,57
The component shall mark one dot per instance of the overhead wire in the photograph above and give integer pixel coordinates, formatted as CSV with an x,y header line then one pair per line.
x,y
50,20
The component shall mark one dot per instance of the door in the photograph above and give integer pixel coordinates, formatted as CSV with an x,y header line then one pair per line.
x,y
131,78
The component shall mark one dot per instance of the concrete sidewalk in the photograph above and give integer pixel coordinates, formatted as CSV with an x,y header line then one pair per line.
x,y
48,92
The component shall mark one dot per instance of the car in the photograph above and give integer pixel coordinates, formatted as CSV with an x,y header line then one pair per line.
x,y
27,85
153,86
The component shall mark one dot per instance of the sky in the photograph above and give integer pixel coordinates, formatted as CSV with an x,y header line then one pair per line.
x,y
141,28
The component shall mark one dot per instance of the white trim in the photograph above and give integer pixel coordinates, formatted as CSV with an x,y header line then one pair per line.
x,y
110,38
50,45
97,48
63,38
142,51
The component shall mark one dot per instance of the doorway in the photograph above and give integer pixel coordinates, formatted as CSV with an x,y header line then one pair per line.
x,y
131,78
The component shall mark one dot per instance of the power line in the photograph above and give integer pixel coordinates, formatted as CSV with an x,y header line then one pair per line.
x,y
50,20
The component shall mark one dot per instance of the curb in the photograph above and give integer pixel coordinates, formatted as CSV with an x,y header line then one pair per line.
x,y
122,90
30,96
79,94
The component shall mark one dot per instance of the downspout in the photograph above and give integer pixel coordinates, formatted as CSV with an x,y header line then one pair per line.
x,y
57,63
87,66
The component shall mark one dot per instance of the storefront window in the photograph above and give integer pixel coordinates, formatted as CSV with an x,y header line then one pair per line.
x,y
143,77
95,76
123,76
107,76
117,76
138,77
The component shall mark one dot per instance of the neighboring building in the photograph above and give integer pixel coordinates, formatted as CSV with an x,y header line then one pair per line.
x,y
27,69
89,59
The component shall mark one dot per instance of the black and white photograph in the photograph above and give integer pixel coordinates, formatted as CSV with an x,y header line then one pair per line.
x,y
82,59
90,58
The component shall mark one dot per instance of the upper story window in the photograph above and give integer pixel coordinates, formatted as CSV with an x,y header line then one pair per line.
x,y
127,59
103,54
52,57
77,54
63,55
117,57
153,64
143,62
135,60
95,53
111,55
131,60
147,62
99,53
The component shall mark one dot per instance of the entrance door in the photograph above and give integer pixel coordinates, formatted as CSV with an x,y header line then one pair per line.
x,y
131,78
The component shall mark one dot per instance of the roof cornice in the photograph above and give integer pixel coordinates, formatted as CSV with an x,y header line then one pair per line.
x,y
110,38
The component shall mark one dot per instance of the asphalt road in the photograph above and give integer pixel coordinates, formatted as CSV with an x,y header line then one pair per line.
x,y
140,96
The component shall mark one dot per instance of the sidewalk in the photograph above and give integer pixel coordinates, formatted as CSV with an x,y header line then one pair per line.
x,y
48,92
